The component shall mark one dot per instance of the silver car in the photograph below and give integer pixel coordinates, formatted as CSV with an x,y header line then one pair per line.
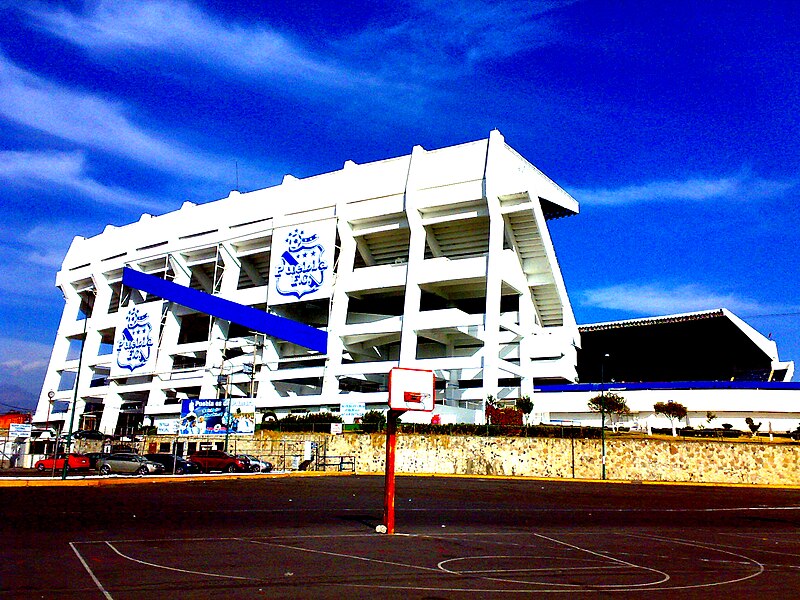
x,y
125,462
256,464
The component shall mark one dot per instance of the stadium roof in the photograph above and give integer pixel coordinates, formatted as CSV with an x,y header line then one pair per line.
x,y
713,345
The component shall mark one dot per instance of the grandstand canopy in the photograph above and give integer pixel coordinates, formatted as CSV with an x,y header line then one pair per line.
x,y
705,346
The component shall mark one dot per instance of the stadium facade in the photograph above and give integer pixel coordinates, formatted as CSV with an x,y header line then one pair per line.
x,y
437,260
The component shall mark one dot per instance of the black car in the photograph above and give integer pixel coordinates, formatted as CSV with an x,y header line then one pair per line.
x,y
172,464
88,434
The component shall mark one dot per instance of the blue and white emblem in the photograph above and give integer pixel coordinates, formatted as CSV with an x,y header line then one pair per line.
x,y
135,345
302,268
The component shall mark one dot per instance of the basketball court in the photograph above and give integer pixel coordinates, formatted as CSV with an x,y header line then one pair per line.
x,y
314,537
436,564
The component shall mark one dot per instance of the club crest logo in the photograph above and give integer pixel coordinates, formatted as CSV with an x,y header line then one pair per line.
x,y
302,269
136,343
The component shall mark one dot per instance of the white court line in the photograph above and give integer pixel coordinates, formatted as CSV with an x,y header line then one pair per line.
x,y
91,574
340,555
401,508
611,586
444,588
618,560
187,571
752,561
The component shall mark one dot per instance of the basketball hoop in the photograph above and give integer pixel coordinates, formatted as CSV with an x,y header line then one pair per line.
x,y
409,389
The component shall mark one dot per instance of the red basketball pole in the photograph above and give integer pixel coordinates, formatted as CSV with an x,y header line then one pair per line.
x,y
388,494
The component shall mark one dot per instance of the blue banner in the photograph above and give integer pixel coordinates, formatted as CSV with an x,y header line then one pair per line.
x,y
203,417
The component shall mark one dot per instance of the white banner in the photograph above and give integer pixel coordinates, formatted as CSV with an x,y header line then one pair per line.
x,y
352,410
19,430
136,340
301,263
167,426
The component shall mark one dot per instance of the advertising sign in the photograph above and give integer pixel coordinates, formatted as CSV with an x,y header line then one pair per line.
x,y
202,417
301,264
210,417
167,426
243,416
136,340
352,410
19,430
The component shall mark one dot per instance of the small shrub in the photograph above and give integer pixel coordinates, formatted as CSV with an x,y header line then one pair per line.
x,y
373,421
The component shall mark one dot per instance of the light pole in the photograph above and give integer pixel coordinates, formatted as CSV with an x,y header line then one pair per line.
x,y
50,400
603,416
74,399
224,381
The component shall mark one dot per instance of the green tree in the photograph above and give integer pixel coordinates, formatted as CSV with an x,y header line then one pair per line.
x,y
671,410
612,404
373,421
525,405
754,427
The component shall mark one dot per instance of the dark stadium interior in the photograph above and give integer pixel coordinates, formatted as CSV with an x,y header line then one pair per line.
x,y
711,348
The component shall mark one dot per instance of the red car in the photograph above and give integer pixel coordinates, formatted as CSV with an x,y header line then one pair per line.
x,y
217,460
75,462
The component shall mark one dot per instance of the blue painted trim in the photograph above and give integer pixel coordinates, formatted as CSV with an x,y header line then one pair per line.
x,y
247,316
672,385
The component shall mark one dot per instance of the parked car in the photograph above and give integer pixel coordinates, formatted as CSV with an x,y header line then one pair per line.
x,y
172,464
87,434
75,462
256,464
217,460
125,462
94,457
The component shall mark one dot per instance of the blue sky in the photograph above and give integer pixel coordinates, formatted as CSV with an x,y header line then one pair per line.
x,y
675,125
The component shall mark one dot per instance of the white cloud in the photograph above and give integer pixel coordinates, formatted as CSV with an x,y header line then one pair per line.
x,y
95,122
742,186
440,40
24,356
178,28
22,368
659,299
67,170
29,260
432,40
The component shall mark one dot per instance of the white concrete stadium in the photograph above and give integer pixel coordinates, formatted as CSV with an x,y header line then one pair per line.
x,y
438,260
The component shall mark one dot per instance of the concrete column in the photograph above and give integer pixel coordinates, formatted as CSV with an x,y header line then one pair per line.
x,y
338,313
416,256
494,269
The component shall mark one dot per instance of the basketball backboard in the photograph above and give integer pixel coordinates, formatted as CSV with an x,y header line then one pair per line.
x,y
411,389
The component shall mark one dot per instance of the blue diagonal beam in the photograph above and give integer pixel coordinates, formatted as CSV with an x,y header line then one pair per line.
x,y
247,316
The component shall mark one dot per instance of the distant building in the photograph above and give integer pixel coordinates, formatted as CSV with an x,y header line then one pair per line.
x,y
14,417
437,260
712,362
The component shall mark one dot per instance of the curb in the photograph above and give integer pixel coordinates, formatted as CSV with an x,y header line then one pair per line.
x,y
101,481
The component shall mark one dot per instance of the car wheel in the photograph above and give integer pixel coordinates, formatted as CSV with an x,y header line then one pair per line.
x,y
179,471
142,470
40,467
230,469
105,470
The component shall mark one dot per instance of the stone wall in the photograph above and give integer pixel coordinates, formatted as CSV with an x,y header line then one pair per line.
x,y
647,459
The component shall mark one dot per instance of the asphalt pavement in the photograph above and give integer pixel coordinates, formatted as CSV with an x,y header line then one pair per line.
x,y
304,536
